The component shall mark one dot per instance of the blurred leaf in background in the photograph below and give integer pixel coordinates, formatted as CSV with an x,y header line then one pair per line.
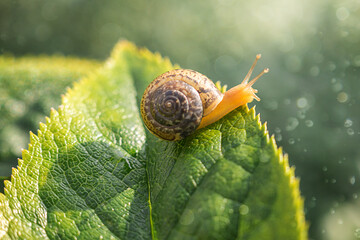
x,y
25,100
310,96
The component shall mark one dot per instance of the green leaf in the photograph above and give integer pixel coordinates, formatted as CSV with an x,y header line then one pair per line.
x,y
29,87
93,171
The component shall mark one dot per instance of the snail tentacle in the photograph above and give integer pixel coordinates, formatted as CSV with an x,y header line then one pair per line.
x,y
180,101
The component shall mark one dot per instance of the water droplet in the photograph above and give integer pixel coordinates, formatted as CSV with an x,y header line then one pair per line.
x,y
352,180
292,123
348,123
325,169
244,209
350,131
342,97
309,123
291,141
340,221
333,180
305,150
332,211
342,13
355,196
301,114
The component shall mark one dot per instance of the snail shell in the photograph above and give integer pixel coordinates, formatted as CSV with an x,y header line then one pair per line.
x,y
180,101
174,104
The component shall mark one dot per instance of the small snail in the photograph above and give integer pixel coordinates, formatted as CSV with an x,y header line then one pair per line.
x,y
180,101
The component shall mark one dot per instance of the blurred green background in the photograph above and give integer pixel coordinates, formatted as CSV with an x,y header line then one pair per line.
x,y
310,98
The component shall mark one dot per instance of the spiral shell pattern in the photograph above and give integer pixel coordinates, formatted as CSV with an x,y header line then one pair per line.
x,y
173,105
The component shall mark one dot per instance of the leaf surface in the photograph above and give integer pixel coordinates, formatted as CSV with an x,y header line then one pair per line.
x,y
93,171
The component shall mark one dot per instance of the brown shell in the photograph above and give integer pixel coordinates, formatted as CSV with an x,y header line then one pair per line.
x,y
175,102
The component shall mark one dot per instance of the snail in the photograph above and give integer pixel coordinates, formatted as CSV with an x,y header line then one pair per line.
x,y
180,101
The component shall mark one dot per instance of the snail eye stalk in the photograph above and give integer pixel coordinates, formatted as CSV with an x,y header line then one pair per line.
x,y
183,90
235,97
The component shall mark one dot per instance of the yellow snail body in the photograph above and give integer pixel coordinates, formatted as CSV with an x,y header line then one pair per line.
x,y
181,101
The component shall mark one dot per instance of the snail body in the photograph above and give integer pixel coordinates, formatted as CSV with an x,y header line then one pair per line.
x,y
178,102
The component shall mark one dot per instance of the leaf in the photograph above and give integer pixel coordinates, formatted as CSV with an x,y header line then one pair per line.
x,y
29,86
93,171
